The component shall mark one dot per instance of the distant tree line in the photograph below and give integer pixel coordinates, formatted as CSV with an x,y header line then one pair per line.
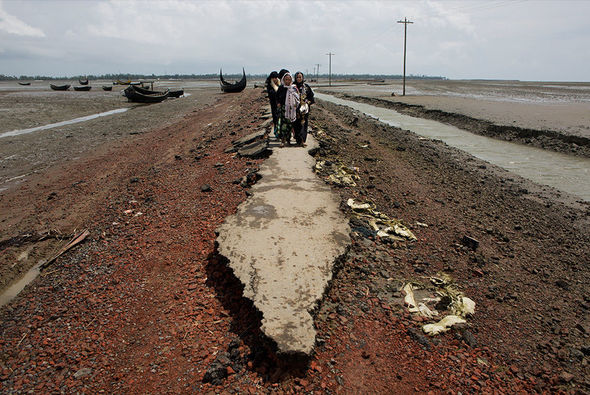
x,y
214,76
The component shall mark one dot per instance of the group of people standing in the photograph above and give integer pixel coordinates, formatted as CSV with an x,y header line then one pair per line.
x,y
290,100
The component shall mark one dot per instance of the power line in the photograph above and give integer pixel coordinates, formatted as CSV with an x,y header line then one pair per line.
x,y
330,74
405,22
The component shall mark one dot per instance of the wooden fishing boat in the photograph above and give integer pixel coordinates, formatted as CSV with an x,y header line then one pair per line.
x,y
83,88
59,87
24,83
133,94
232,87
123,82
176,93
146,91
83,82
107,87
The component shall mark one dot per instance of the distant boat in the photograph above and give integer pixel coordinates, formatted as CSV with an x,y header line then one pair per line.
x,y
83,82
176,93
60,87
24,83
232,87
134,94
123,82
83,88
107,87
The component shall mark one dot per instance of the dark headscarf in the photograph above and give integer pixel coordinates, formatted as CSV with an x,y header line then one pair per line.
x,y
282,73
299,84
272,75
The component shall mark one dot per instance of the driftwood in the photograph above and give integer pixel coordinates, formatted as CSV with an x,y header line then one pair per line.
x,y
76,240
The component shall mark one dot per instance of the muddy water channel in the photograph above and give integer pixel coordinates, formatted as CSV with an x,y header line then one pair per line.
x,y
566,173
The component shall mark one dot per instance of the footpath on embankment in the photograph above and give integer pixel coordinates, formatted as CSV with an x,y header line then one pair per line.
x,y
282,244
147,305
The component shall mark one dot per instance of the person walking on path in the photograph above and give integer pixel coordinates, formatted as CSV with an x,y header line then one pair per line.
x,y
287,104
282,73
272,86
306,100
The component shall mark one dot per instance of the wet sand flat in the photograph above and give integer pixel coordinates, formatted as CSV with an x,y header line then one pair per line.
x,y
37,105
560,107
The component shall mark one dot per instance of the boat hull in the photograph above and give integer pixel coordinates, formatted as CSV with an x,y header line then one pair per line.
x,y
134,95
82,88
59,87
235,87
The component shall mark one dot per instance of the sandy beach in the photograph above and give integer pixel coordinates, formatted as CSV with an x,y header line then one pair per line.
x,y
146,305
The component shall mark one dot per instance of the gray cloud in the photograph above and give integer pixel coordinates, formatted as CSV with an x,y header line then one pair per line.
x,y
527,40
14,26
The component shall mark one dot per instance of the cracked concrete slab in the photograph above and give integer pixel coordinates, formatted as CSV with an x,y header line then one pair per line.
x,y
282,244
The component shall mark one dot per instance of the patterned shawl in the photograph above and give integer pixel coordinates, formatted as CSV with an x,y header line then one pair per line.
x,y
292,100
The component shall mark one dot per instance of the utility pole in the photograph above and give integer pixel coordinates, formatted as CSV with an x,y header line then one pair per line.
x,y
405,22
330,75
317,73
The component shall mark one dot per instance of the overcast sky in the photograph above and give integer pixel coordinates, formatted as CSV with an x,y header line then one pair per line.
x,y
516,39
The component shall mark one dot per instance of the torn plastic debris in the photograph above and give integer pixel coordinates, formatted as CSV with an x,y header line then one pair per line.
x,y
385,226
443,325
414,307
337,174
458,305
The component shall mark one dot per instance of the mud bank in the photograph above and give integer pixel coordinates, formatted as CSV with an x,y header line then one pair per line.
x,y
546,139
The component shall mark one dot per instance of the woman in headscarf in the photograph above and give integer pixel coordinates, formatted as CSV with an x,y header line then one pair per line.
x,y
287,104
306,100
272,86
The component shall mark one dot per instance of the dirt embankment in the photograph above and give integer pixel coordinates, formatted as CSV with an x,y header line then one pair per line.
x,y
146,305
528,274
546,139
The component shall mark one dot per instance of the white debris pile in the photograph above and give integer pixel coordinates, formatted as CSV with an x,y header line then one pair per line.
x,y
384,226
337,173
447,298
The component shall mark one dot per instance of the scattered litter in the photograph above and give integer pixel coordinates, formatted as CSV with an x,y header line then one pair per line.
x,y
414,307
443,325
337,174
448,298
385,226
422,224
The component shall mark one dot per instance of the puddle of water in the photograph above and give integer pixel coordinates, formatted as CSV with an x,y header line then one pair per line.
x,y
63,123
11,292
565,172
